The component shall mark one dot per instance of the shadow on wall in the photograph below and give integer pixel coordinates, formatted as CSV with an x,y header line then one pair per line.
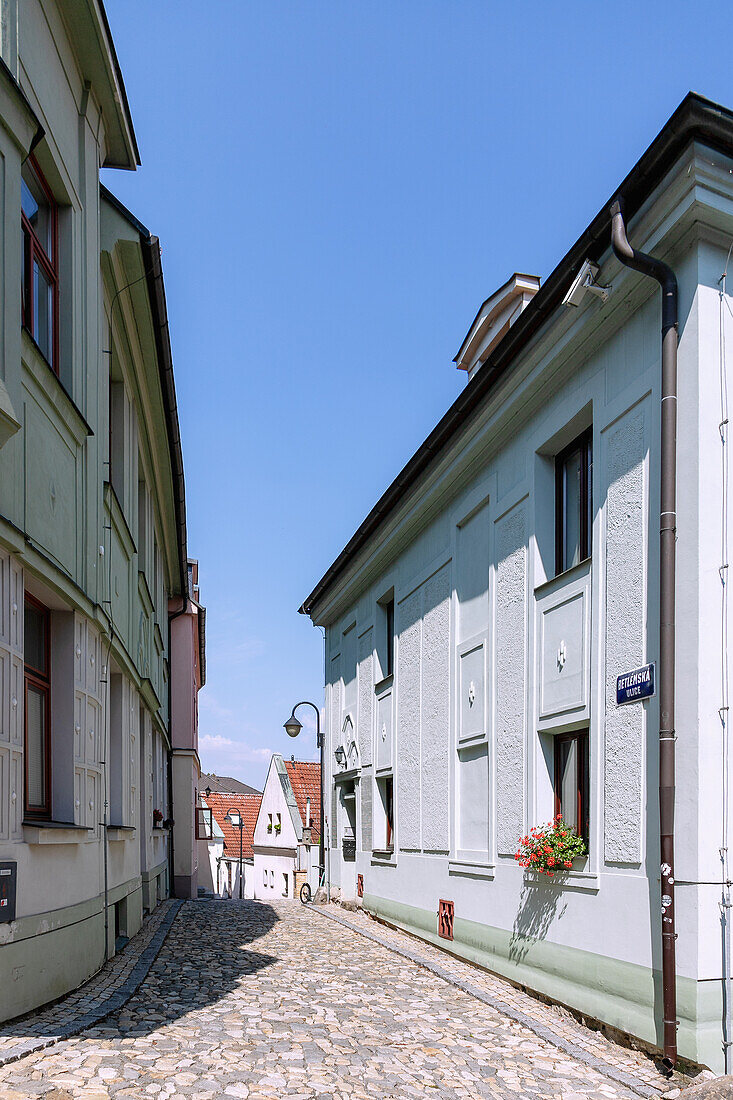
x,y
539,906
207,952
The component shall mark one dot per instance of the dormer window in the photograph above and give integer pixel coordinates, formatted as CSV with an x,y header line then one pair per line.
x,y
39,279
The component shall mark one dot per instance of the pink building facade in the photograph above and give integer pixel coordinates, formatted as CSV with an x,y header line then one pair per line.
x,y
188,676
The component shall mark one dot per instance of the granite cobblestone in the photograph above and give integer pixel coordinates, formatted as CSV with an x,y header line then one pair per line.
x,y
261,1001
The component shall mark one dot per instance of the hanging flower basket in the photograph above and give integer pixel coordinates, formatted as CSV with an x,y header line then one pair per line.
x,y
550,849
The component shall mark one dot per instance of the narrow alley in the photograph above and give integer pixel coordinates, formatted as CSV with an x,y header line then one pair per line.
x,y
247,999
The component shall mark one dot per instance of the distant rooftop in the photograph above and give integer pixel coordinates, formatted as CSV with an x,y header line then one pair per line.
x,y
225,784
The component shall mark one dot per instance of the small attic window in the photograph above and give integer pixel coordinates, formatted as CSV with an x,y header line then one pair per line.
x,y
492,322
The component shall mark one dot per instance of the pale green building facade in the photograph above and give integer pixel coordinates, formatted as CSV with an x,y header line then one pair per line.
x,y
92,515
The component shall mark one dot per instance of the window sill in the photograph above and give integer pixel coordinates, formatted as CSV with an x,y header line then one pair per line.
x,y
54,832
39,365
384,685
561,579
384,857
159,831
120,832
471,868
588,881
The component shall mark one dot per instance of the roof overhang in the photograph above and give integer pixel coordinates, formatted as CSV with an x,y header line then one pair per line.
x,y
90,34
696,119
153,276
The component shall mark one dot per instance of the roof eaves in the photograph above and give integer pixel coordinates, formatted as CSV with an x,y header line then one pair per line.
x,y
696,118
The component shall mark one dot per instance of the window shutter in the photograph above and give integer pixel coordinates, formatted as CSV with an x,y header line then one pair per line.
x,y
36,725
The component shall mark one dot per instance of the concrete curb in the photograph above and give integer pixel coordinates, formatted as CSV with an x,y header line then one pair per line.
x,y
543,1032
115,1001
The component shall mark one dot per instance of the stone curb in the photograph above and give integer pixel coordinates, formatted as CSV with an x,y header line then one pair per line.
x,y
115,1001
543,1032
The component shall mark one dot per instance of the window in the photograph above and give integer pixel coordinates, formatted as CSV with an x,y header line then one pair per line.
x,y
39,278
285,885
37,709
389,624
264,877
269,823
385,635
386,791
574,503
571,780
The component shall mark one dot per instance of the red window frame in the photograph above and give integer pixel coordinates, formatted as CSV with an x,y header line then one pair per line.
x,y
583,779
34,251
41,682
389,811
584,444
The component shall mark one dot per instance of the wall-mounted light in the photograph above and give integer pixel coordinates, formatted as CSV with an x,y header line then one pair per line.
x,y
340,755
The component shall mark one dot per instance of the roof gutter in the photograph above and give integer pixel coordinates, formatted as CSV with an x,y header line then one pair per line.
x,y
696,118
154,273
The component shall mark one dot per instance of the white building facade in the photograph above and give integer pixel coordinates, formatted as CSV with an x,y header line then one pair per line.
x,y
479,619
287,830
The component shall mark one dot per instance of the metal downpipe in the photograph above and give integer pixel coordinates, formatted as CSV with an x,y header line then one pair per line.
x,y
656,269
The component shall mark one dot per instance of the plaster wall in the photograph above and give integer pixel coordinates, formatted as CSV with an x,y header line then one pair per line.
x,y
477,612
67,537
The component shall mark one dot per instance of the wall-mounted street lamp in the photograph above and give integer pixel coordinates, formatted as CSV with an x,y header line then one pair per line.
x,y
207,792
340,755
293,728
236,820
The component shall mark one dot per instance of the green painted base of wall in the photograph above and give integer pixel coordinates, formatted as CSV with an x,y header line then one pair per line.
x,y
622,995
46,956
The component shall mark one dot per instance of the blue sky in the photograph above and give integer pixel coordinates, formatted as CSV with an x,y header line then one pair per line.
x,y
337,186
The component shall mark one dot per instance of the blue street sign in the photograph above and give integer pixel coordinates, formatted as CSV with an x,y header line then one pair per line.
x,y
636,685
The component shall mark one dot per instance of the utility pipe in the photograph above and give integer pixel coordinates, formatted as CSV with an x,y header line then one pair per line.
x,y
656,269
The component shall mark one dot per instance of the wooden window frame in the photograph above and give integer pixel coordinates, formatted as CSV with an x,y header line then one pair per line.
x,y
583,443
389,817
389,628
204,813
41,682
582,788
33,250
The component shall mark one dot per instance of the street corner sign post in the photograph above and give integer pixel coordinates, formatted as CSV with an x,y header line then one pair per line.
x,y
635,686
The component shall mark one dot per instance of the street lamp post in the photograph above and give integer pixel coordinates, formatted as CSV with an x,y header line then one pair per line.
x,y
236,820
293,728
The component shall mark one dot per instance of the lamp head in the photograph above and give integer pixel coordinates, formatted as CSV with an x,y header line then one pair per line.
x,y
207,792
234,818
293,726
340,755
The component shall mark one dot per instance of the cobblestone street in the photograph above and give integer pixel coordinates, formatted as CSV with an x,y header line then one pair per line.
x,y
252,1000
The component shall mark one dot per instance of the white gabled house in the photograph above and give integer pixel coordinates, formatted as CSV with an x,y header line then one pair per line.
x,y
487,618
287,830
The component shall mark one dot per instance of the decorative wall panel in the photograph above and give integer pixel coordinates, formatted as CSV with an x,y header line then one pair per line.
x,y
511,585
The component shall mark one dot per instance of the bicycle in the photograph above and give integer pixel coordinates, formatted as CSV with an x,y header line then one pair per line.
x,y
305,892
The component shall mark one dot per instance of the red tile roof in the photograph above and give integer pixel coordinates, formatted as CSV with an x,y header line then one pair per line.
x,y
248,806
305,779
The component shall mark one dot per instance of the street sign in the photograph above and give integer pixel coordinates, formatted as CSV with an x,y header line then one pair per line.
x,y
635,686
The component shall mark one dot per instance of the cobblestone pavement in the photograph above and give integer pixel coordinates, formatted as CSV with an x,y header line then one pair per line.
x,y
262,1001
109,989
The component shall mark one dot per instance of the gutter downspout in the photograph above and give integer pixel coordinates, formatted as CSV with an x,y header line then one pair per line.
x,y
171,808
656,269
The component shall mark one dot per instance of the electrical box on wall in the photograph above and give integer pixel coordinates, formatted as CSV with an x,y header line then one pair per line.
x,y
8,881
